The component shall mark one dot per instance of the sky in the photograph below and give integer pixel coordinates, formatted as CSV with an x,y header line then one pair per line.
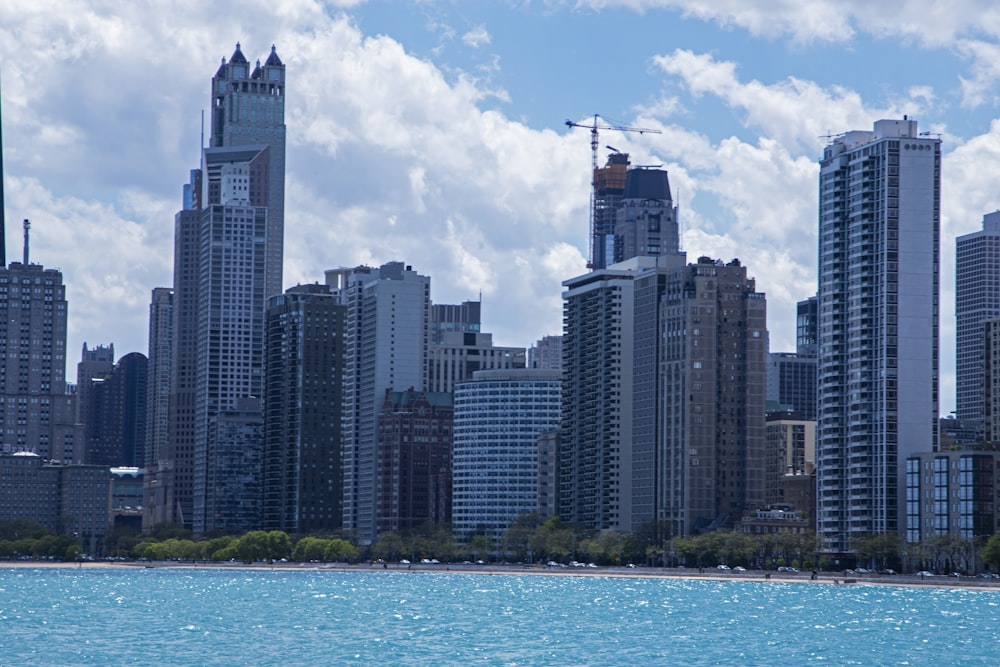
x,y
433,132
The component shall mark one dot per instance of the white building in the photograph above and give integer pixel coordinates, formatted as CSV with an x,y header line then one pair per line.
x,y
499,415
879,255
386,347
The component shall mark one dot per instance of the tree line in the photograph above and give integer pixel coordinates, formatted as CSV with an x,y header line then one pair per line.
x,y
530,539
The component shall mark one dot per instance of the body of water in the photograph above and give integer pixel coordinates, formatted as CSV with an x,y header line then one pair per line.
x,y
128,616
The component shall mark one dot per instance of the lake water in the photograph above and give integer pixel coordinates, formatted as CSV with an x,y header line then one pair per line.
x,y
128,616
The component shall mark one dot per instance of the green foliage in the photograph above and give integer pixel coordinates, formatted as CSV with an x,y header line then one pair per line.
x,y
991,552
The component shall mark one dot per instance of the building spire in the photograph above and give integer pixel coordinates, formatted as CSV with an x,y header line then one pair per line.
x,y
27,227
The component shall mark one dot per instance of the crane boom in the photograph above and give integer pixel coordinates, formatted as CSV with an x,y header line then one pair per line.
x,y
594,126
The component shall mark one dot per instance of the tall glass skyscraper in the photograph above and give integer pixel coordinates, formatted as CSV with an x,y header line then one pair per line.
x,y
879,257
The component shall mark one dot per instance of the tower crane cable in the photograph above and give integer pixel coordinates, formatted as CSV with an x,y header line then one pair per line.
x,y
594,126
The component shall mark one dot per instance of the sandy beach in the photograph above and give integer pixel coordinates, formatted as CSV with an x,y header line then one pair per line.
x,y
823,578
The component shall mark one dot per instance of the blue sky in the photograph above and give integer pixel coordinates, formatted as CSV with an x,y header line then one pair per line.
x,y
433,132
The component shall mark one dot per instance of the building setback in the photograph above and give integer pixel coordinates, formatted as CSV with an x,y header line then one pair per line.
x,y
302,410
413,485
879,258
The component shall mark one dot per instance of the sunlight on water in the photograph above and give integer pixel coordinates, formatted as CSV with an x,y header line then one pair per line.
x,y
229,617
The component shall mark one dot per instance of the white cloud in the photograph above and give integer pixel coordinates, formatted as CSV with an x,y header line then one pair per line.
x,y
476,37
930,22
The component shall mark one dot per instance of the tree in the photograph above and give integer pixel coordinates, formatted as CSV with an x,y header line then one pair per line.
x,y
309,549
253,546
279,545
991,552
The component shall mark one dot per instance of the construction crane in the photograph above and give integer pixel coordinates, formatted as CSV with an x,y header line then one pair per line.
x,y
594,126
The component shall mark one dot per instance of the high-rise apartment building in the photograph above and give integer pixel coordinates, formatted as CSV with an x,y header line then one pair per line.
x,y
304,373
698,395
595,458
879,258
386,347
37,413
807,326
499,417
227,261
413,460
977,299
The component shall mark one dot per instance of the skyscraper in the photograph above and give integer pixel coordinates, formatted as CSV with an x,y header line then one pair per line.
x,y
304,374
879,257
386,341
37,413
646,224
595,456
248,109
977,299
499,416
161,325
698,437
227,261
116,414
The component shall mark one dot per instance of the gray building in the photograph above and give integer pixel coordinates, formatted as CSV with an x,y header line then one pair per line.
x,y
952,493
37,413
595,455
646,219
977,299
69,499
698,407
386,347
161,324
227,261
304,373
791,382
879,258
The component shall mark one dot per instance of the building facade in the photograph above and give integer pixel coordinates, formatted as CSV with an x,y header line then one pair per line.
x,y
646,220
116,414
699,441
161,326
791,382
37,413
879,258
413,479
952,493
499,417
595,458
977,299
304,374
386,346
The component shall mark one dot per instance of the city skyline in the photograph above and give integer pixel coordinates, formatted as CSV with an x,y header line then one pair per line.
x,y
425,130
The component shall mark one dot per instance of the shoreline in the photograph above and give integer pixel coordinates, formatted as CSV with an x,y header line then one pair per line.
x,y
823,578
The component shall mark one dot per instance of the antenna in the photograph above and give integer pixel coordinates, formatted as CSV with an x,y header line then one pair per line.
x,y
27,228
